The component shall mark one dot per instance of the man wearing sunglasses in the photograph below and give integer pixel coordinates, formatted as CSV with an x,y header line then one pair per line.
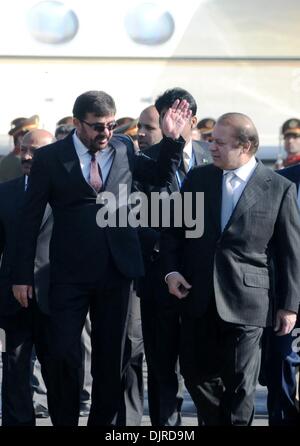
x,y
91,267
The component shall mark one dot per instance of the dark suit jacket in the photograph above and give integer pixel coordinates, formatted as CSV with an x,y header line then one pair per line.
x,y
150,236
235,266
12,195
79,248
152,285
291,173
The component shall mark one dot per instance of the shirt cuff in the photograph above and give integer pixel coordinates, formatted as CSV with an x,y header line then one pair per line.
x,y
172,272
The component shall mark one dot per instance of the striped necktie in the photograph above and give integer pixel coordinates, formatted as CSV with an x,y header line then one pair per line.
x,y
95,179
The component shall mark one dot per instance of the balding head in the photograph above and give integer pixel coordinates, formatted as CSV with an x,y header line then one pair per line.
x,y
243,128
32,141
149,131
235,140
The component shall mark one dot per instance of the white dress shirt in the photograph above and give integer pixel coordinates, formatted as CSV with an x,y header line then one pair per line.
x,y
104,158
242,176
188,154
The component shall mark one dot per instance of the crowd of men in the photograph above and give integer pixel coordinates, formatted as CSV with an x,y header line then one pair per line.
x,y
215,312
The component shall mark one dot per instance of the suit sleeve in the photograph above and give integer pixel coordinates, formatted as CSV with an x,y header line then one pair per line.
x,y
172,239
2,238
287,252
31,214
159,172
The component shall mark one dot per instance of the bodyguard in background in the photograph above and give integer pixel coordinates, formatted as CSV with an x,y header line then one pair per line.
x,y
280,366
24,327
159,310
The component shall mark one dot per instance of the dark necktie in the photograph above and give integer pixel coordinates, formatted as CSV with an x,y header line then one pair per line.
x,y
95,179
181,172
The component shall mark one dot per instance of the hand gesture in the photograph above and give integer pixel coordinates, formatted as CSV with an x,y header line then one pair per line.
x,y
175,119
177,285
285,322
22,293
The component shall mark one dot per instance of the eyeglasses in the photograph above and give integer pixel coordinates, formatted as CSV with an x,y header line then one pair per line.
x,y
99,127
291,135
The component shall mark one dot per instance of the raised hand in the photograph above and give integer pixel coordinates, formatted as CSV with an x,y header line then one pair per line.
x,y
176,118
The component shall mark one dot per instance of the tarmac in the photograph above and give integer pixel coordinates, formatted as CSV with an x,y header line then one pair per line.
x,y
189,416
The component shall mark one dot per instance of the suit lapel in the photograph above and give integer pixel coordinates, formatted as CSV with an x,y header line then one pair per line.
x,y
253,192
46,216
19,192
201,152
120,170
70,161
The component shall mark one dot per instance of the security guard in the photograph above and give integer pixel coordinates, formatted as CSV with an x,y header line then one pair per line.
x,y
291,135
205,127
10,167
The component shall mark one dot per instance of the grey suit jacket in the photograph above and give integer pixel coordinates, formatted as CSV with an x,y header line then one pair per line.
x,y
234,267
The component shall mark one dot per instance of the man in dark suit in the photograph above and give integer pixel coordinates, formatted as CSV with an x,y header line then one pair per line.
x,y
92,264
160,315
25,328
10,166
280,365
224,277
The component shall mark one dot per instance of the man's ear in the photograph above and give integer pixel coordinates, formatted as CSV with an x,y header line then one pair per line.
x,y
246,147
76,122
194,121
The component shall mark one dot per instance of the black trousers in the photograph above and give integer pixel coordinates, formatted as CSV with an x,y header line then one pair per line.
x,y
107,301
24,330
220,363
161,333
280,366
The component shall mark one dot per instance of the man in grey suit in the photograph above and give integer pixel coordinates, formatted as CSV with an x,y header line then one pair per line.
x,y
25,328
223,278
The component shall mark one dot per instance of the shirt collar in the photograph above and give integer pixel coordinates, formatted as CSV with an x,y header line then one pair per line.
x,y
188,150
245,171
82,150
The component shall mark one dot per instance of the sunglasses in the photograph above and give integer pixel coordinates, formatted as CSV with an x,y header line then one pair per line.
x,y
99,127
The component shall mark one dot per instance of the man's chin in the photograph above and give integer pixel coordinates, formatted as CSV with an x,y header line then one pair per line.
x,y
101,145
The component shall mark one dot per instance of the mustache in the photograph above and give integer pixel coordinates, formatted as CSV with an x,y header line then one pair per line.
x,y
26,162
100,138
